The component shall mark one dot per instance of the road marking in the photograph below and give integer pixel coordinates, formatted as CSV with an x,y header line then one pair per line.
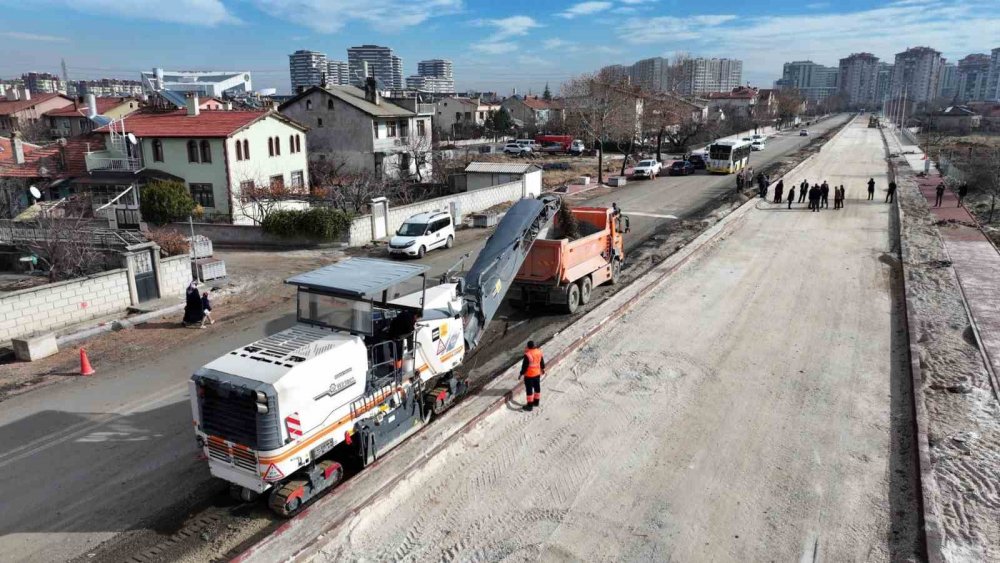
x,y
653,215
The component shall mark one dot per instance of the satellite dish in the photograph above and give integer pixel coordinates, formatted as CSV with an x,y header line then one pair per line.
x,y
131,139
35,193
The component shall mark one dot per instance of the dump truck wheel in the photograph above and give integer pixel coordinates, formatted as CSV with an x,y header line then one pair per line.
x,y
572,298
586,289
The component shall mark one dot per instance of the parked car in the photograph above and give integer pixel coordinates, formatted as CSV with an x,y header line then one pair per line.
x,y
516,149
530,143
423,232
681,168
698,161
804,133
577,148
648,168
552,148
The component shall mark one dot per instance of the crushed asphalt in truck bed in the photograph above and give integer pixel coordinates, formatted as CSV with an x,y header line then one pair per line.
x,y
205,525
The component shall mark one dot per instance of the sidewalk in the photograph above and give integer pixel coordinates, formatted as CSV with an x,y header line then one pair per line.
x,y
974,258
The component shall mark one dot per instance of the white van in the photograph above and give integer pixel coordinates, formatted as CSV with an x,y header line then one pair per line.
x,y
423,232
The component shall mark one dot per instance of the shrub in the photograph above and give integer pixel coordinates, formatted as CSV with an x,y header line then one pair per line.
x,y
165,201
320,223
171,243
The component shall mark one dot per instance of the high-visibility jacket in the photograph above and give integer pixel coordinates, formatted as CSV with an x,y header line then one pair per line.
x,y
535,364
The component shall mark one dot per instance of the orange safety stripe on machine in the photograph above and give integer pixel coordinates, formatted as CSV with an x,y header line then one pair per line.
x,y
444,358
323,434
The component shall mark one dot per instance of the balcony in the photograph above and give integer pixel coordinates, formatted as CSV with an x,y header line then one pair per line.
x,y
106,161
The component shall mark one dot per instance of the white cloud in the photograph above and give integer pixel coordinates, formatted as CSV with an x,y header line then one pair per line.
x,y
637,1
193,12
32,36
504,29
555,43
663,29
584,9
328,16
818,5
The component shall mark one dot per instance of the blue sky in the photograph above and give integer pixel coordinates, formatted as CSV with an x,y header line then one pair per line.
x,y
496,45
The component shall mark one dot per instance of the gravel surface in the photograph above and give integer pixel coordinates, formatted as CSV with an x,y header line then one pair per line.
x,y
756,407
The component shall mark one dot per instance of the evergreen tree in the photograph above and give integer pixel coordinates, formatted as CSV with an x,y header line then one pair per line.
x,y
547,94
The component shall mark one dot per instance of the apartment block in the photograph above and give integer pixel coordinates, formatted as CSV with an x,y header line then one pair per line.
x,y
378,62
307,68
859,78
973,78
917,74
700,76
815,81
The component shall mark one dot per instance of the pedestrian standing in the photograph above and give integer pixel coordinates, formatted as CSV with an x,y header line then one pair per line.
x,y
824,192
803,190
779,191
206,307
940,195
843,195
814,198
963,191
890,195
532,369
871,189
791,196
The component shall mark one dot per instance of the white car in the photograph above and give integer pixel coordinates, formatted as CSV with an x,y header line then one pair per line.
x,y
516,149
649,168
757,145
423,232
577,147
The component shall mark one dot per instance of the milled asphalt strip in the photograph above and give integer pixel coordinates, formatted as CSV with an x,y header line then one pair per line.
x,y
299,539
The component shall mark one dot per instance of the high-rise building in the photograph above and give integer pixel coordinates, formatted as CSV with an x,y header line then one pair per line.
x,y
307,68
883,83
858,79
43,83
104,88
438,68
948,88
916,75
616,73
993,80
700,76
337,74
652,75
435,76
380,62
815,81
973,77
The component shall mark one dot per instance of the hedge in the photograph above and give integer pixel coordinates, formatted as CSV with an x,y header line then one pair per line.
x,y
320,223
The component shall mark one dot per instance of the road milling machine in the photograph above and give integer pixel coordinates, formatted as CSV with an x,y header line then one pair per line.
x,y
363,368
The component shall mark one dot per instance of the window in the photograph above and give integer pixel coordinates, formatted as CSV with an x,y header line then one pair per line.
x,y
246,149
298,179
192,151
157,150
468,116
458,116
404,128
329,104
319,122
278,181
291,144
203,195
421,128
277,146
375,128
404,163
270,146
206,151
298,143
390,129
309,105
239,150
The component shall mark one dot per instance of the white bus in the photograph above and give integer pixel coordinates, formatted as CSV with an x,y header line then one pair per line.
x,y
728,157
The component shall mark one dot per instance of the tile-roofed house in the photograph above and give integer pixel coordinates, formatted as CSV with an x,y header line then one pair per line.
x,y
359,131
740,101
22,112
73,119
533,111
217,154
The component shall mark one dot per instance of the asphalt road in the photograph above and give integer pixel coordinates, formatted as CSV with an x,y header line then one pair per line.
x,y
83,461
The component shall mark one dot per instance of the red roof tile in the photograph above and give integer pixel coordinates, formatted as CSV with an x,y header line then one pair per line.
x,y
9,107
7,151
180,124
47,162
103,105
537,103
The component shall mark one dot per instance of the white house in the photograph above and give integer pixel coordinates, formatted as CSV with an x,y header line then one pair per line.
x,y
219,155
362,132
458,112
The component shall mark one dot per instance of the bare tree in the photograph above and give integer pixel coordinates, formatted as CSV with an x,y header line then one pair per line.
x,y
983,172
675,121
418,147
789,106
62,239
676,72
259,196
601,108
13,196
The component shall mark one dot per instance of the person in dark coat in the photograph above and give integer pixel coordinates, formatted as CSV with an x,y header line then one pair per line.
x,y
206,308
890,196
824,193
871,189
814,198
193,311
963,191
779,191
803,190
940,195
791,196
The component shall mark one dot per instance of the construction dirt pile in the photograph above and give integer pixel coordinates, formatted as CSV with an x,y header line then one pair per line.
x,y
963,412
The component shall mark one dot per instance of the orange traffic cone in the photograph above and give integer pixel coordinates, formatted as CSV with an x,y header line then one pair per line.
x,y
85,368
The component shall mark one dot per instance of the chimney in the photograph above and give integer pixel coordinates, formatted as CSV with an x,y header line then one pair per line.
x,y
91,106
27,94
371,91
193,108
17,147
158,78
228,106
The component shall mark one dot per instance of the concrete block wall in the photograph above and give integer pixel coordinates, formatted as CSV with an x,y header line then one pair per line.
x,y
469,202
53,306
175,275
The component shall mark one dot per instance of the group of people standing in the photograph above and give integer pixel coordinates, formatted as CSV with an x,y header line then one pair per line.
x,y
818,194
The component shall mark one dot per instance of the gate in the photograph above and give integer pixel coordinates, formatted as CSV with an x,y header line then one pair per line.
x,y
145,278
380,217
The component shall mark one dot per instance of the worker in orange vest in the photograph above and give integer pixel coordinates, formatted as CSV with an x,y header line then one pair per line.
x,y
532,369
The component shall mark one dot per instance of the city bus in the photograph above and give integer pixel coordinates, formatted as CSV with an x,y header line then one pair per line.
x,y
728,157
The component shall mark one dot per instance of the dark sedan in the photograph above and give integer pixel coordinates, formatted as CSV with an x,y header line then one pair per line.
x,y
698,161
681,168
